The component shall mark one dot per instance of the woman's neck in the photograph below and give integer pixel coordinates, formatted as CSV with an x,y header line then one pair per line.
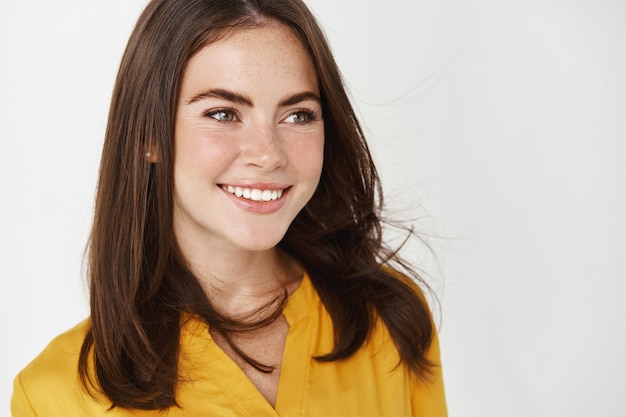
x,y
239,283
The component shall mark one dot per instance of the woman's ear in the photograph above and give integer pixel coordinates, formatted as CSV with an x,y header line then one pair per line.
x,y
152,155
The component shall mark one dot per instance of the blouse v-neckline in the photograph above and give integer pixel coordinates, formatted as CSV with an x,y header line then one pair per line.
x,y
207,365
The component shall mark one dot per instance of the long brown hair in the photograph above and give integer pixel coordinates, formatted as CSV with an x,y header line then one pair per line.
x,y
136,305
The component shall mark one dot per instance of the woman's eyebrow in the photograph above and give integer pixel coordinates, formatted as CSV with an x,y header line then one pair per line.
x,y
300,97
238,98
224,95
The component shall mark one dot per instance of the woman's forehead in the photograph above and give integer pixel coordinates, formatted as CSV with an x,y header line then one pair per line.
x,y
264,54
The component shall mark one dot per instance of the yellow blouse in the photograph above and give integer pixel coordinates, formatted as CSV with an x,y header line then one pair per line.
x,y
367,384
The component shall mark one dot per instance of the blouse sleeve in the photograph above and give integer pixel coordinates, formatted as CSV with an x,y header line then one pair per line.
x,y
20,406
428,396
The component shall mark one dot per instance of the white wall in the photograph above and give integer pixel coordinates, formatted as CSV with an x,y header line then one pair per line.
x,y
504,121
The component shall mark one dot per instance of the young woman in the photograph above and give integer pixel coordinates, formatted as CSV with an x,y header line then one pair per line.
x,y
236,260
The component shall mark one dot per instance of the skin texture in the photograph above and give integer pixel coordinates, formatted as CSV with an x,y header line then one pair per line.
x,y
248,116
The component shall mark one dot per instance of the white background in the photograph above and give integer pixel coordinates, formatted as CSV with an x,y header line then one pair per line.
x,y
501,124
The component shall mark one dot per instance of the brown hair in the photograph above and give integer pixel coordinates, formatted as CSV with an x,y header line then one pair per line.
x,y
136,306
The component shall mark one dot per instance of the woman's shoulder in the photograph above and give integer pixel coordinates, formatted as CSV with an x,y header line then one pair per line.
x,y
60,354
53,374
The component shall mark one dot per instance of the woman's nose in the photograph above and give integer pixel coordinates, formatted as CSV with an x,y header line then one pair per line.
x,y
262,148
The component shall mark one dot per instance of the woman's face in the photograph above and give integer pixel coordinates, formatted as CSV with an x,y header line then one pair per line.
x,y
249,140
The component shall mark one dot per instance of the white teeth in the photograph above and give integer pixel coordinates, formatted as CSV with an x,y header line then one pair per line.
x,y
254,194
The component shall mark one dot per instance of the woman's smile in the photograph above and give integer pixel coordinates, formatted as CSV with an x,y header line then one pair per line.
x,y
258,199
262,193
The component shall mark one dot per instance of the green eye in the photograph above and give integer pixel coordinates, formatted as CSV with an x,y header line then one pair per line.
x,y
299,117
223,116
